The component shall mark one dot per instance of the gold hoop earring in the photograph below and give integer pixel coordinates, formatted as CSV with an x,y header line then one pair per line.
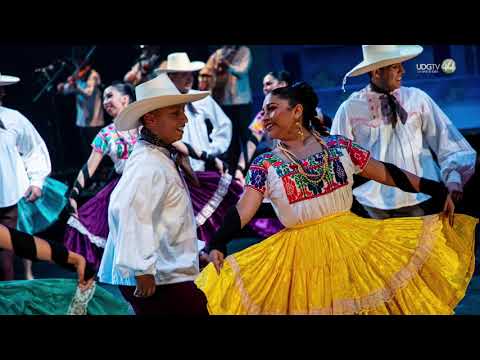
x,y
300,131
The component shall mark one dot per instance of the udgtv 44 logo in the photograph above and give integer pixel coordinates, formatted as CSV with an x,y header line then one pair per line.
x,y
448,66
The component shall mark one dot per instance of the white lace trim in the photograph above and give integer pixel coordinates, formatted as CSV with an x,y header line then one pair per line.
x,y
80,301
94,239
212,204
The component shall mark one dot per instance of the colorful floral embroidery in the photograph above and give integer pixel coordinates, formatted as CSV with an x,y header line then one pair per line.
x,y
108,142
99,144
296,185
358,155
257,174
294,189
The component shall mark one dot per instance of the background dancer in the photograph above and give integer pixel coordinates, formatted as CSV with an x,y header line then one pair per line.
x,y
405,127
24,167
87,228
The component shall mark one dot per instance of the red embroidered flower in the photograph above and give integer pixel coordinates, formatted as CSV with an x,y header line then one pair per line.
x,y
291,189
359,156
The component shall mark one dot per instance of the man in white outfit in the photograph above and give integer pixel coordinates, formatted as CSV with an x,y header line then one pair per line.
x,y
24,166
405,127
208,132
151,250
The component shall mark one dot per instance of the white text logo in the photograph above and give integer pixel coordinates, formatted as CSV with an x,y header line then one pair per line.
x,y
428,68
448,66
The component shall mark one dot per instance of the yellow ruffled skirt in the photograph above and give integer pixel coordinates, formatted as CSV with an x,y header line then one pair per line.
x,y
345,264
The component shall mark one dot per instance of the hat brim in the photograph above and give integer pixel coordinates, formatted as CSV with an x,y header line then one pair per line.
x,y
8,80
408,52
194,66
130,116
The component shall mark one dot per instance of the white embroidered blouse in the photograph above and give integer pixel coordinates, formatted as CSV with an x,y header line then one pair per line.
x,y
297,200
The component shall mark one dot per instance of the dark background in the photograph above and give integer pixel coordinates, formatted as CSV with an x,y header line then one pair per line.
x,y
54,115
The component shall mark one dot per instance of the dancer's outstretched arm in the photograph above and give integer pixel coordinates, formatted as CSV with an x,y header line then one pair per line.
x,y
389,174
237,217
83,178
35,248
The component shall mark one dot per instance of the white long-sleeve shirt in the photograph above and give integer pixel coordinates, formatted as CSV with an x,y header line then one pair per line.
x,y
151,221
24,158
408,146
195,131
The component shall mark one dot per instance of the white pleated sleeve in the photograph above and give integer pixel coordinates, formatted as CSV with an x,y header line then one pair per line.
x,y
455,155
33,151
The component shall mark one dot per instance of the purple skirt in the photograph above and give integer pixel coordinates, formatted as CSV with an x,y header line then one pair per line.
x,y
265,227
88,234
211,201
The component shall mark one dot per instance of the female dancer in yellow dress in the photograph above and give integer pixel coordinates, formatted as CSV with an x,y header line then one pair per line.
x,y
328,260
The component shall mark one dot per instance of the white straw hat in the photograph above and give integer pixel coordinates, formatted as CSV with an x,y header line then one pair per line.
x,y
179,62
8,80
154,94
378,56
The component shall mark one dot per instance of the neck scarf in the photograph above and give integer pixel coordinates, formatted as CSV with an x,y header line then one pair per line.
x,y
180,160
390,106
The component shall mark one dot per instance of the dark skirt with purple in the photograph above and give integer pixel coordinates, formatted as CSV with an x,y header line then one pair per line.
x,y
265,227
88,234
211,201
